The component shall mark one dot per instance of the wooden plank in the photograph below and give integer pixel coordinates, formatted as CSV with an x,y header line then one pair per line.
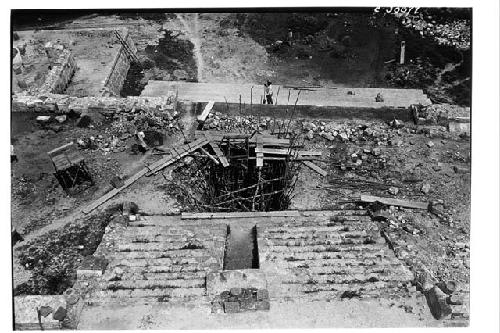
x,y
209,155
176,156
394,202
232,215
279,158
259,154
217,135
314,167
219,153
276,151
153,168
59,149
208,108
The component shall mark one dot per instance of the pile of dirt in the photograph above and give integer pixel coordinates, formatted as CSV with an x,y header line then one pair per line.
x,y
173,53
54,257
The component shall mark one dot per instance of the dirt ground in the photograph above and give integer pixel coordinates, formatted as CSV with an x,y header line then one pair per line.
x,y
349,313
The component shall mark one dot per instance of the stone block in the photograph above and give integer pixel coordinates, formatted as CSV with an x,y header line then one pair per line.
x,y
231,307
235,291
448,287
247,305
455,300
217,307
262,295
59,314
437,301
262,305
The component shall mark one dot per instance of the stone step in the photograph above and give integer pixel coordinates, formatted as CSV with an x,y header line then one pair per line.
x,y
159,292
347,264
341,255
145,275
152,284
141,269
386,293
322,245
193,261
307,276
161,222
174,254
128,301
353,225
161,246
334,240
295,289
329,248
159,238
170,231
291,230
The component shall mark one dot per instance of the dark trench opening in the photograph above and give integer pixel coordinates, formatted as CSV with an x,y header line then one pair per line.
x,y
134,82
241,248
242,186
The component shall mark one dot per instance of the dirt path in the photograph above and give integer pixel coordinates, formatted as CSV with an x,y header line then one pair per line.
x,y
191,25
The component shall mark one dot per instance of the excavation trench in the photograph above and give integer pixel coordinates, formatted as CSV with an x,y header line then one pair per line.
x,y
241,247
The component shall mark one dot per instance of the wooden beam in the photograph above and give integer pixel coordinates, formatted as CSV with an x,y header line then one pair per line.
x,y
275,151
153,168
316,168
209,155
259,154
208,108
219,153
232,215
394,202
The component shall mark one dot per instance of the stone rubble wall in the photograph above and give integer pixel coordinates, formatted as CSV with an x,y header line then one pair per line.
x,y
121,64
54,103
26,316
60,75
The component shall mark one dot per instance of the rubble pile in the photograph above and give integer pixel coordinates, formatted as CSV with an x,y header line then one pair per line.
x,y
54,257
444,286
456,33
240,300
439,113
381,134
245,124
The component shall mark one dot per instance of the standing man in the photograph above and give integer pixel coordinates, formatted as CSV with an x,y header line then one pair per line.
x,y
289,37
268,93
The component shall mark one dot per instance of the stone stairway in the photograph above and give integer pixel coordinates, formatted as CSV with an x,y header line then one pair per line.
x,y
159,259
329,255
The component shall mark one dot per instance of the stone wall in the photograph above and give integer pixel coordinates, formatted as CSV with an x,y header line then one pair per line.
x,y
121,64
60,75
26,315
54,103
117,75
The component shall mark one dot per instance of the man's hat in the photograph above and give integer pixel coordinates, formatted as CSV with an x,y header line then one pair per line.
x,y
268,82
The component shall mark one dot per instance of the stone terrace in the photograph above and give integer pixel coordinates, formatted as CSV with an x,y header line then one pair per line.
x,y
329,255
158,259
321,255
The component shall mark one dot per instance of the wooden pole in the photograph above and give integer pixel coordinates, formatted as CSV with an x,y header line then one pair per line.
x,y
402,55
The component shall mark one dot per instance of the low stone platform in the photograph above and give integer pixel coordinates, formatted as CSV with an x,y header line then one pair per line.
x,y
322,97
